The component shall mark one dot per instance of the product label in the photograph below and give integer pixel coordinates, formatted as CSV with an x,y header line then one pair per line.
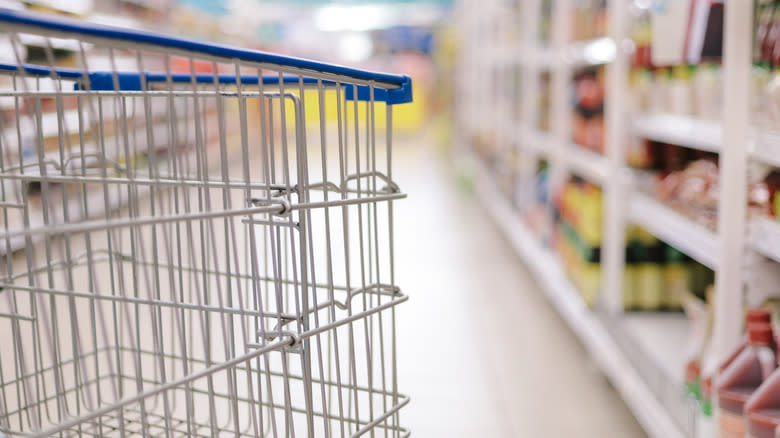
x,y
731,425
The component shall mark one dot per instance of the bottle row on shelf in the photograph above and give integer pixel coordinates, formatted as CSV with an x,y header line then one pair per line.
x,y
656,276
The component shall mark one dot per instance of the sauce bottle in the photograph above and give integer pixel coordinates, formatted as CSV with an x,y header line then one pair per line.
x,y
741,379
772,40
764,46
758,315
763,408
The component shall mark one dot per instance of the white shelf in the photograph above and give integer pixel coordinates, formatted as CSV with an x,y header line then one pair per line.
x,y
658,342
705,135
588,164
765,237
662,336
597,339
674,228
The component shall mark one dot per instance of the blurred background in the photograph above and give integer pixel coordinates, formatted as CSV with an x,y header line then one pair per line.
x,y
592,208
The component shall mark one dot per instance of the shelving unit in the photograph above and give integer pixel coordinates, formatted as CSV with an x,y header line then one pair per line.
x,y
646,351
598,340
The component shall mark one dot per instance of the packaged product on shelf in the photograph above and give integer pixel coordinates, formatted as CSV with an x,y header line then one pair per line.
x,y
588,130
630,268
702,279
773,40
760,77
578,208
772,183
680,91
579,128
693,378
669,21
602,20
742,377
639,153
762,194
642,36
589,281
772,97
590,91
543,114
594,134
708,91
705,32
641,84
758,315
649,275
677,277
764,43
545,23
707,358
659,91
590,19
700,318
693,192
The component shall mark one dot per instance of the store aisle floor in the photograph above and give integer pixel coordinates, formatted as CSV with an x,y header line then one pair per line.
x,y
481,351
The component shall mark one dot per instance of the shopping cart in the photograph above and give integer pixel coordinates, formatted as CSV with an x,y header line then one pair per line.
x,y
197,239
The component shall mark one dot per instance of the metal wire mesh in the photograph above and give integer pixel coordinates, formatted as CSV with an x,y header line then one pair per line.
x,y
209,253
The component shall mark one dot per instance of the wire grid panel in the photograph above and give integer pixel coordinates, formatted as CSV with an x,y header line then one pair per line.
x,y
203,250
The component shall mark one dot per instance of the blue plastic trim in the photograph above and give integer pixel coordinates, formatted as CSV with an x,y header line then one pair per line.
x,y
69,26
392,97
131,81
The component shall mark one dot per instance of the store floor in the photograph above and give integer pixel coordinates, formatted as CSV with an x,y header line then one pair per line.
x,y
481,351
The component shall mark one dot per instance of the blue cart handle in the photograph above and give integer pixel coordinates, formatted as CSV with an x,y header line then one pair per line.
x,y
132,81
390,88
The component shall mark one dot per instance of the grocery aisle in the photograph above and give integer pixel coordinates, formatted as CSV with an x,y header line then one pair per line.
x,y
481,350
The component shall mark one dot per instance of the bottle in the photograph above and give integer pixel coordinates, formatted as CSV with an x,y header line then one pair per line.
x,y
771,99
758,315
741,379
763,408
764,46
680,90
760,76
770,47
